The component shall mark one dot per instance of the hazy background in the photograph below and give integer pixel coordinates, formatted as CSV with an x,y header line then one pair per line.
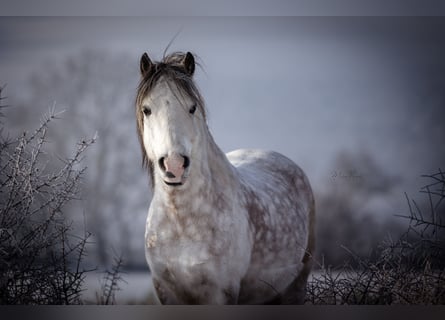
x,y
357,102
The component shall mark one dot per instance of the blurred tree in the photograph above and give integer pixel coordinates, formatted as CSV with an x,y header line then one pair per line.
x,y
353,211
97,90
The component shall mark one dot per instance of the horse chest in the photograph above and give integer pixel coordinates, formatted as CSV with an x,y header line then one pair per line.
x,y
172,240
184,240
188,251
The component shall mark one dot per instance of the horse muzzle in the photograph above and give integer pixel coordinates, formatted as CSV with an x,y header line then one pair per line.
x,y
174,167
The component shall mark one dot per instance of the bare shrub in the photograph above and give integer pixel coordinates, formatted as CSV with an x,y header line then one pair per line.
x,y
410,270
110,283
40,257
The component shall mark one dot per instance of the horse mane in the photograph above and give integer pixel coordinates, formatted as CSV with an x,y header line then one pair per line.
x,y
171,69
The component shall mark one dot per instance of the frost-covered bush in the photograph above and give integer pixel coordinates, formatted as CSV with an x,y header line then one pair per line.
x,y
40,256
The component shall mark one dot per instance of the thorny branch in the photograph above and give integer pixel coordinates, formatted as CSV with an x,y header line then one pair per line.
x,y
40,257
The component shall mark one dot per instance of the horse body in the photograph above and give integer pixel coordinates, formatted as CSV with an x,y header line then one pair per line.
x,y
280,207
235,228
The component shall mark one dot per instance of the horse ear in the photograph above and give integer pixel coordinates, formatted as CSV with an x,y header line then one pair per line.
x,y
189,64
146,65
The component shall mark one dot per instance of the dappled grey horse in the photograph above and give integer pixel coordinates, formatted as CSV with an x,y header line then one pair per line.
x,y
221,229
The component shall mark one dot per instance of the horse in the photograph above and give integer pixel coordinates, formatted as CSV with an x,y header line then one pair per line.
x,y
221,229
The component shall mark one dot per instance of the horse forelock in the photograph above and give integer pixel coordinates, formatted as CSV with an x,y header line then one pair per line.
x,y
171,70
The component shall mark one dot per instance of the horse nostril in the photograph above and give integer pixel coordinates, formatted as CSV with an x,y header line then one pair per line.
x,y
186,162
161,164
170,175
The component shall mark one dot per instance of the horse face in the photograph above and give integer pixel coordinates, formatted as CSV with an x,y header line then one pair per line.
x,y
171,127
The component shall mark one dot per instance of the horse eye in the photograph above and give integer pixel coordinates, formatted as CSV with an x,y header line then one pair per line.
x,y
193,109
146,111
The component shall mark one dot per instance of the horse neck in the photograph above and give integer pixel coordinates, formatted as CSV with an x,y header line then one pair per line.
x,y
214,168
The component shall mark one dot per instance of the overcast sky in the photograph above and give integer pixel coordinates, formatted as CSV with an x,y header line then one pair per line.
x,y
306,87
